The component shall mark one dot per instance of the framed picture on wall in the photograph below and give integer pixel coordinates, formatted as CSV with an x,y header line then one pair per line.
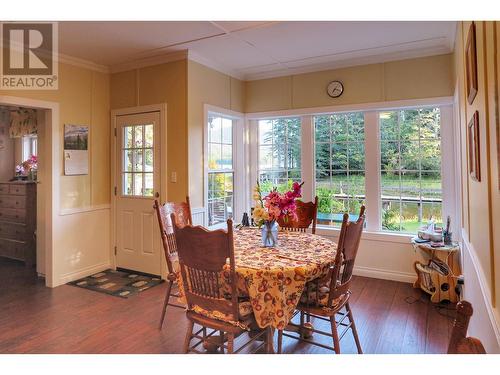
x,y
471,64
474,149
76,150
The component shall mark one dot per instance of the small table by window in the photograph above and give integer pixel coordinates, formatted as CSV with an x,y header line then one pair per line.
x,y
437,271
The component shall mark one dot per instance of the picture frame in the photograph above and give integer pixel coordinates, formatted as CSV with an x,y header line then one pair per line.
x,y
76,150
474,148
471,64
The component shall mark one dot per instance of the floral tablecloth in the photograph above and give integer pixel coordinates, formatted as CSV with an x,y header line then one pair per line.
x,y
274,278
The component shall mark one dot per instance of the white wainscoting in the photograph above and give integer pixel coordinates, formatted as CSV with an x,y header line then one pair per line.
x,y
81,243
485,322
381,256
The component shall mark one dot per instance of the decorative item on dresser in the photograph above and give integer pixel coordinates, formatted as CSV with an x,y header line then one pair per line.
x,y
18,221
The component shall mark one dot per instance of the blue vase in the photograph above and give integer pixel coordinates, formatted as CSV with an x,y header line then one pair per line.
x,y
270,234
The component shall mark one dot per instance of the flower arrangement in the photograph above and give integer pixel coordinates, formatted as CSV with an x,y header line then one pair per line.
x,y
27,166
275,205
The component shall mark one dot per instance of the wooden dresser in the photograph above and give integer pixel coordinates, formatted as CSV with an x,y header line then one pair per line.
x,y
18,221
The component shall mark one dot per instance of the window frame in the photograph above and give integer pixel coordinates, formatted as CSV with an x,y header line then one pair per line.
x,y
238,158
373,199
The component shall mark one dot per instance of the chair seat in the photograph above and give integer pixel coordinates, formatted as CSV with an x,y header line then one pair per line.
x,y
316,297
245,318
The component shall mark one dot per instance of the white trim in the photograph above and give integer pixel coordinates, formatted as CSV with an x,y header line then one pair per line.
x,y
376,273
400,238
238,170
72,276
373,202
79,210
483,285
352,61
144,62
82,63
52,173
362,107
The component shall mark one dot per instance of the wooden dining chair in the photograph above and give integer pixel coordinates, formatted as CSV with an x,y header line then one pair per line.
x,y
207,267
306,215
328,298
459,342
182,212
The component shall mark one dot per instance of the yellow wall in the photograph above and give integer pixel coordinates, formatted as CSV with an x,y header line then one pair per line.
x,y
164,83
83,96
424,77
481,200
206,86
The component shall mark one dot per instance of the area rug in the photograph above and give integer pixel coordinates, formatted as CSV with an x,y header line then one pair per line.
x,y
118,283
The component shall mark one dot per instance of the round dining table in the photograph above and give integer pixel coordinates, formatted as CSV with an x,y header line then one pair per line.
x,y
275,277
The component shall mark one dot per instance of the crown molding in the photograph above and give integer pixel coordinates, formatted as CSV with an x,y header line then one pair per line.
x,y
349,62
149,61
193,56
82,63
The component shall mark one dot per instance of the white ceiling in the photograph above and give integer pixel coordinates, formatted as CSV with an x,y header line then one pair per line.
x,y
252,50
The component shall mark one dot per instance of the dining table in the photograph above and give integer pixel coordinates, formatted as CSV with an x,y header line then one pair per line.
x,y
273,278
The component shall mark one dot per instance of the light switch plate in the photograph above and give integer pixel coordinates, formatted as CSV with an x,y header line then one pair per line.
x,y
173,177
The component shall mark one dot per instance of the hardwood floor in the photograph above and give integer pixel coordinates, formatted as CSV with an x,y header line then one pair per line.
x,y
67,319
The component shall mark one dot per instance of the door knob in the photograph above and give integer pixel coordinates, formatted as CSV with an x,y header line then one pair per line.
x,y
157,195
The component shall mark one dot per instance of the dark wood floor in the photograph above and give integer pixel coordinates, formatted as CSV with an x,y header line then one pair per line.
x,y
67,319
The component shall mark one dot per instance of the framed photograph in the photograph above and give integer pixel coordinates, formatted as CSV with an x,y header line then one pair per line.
x,y
471,64
76,150
474,149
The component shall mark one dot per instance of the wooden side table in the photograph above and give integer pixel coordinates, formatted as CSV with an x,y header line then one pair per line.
x,y
437,271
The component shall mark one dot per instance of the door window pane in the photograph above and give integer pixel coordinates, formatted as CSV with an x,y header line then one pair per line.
x,y
137,158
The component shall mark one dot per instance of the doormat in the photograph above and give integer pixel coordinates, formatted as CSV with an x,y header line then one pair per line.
x,y
120,283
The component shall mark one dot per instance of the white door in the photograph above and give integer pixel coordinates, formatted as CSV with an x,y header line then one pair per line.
x,y
138,245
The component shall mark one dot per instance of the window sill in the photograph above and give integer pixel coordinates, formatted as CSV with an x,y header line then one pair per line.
x,y
403,238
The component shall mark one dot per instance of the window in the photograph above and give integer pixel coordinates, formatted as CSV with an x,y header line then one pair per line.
x,y
29,146
340,165
279,153
220,169
137,151
410,168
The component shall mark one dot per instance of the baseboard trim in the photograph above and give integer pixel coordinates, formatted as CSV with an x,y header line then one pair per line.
x,y
485,290
72,276
376,273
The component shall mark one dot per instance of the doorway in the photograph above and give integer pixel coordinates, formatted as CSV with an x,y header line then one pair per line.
x,y
137,176
46,114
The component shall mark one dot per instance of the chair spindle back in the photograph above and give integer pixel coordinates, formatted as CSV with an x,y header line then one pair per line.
x,y
459,342
347,249
203,256
306,215
182,212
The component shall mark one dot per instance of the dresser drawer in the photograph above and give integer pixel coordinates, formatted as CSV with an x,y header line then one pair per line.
x,y
13,215
13,231
13,249
16,189
12,201
4,188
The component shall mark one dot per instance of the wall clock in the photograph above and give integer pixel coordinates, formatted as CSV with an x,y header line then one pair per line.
x,y
335,89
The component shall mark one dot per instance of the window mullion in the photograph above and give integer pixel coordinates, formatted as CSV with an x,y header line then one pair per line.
x,y
372,172
307,162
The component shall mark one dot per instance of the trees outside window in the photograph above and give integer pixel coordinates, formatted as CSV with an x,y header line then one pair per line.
x,y
410,167
279,153
340,165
